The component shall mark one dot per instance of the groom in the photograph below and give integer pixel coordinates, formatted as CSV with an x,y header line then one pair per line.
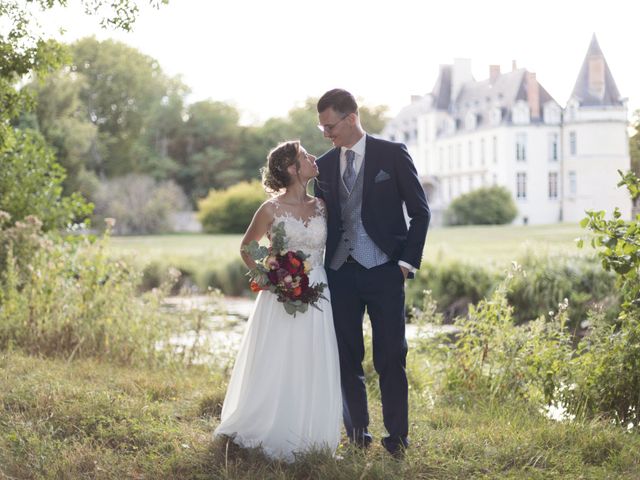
x,y
364,182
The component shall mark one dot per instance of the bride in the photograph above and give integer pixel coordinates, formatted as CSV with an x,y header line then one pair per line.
x,y
284,393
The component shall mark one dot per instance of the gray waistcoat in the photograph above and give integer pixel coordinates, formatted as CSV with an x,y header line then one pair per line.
x,y
354,240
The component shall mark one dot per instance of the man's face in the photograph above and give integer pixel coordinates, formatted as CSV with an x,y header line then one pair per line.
x,y
337,127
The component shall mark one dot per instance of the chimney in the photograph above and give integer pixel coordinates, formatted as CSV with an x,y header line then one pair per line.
x,y
513,65
494,73
533,95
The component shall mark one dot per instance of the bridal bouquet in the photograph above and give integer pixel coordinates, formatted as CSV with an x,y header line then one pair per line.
x,y
283,272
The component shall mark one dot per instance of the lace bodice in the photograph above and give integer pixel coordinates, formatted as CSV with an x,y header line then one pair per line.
x,y
306,234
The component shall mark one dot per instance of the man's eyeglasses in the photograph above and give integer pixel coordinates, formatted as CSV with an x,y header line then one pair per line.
x,y
328,128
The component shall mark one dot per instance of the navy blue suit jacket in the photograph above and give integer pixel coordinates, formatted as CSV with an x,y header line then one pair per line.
x,y
390,179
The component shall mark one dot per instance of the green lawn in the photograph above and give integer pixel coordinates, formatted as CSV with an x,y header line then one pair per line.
x,y
87,419
482,245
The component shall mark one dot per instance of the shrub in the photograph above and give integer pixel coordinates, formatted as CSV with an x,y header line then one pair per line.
x,y
607,367
551,279
230,278
491,356
454,286
546,282
484,206
71,300
139,204
31,183
231,210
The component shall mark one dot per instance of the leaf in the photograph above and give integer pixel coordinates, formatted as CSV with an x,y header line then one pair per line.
x,y
256,251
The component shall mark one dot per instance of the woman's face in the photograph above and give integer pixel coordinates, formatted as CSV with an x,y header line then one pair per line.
x,y
308,167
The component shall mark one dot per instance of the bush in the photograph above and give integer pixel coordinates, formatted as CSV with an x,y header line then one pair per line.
x,y
31,183
484,206
454,286
231,210
492,357
230,279
546,282
71,300
139,204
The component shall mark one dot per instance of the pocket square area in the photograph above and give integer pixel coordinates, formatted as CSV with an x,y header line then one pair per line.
x,y
382,176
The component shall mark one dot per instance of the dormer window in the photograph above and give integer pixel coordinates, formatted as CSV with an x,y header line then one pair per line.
x,y
470,121
496,116
521,114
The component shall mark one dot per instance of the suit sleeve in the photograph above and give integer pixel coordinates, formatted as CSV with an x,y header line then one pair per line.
x,y
415,200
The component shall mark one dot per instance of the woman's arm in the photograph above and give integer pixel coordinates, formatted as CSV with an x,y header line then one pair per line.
x,y
259,226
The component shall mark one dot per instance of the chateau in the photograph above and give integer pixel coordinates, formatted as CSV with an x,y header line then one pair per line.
x,y
508,130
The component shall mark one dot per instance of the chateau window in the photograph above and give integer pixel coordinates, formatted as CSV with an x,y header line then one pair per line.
x,y
459,155
441,159
573,143
482,153
521,146
553,147
553,185
494,141
450,157
573,183
521,185
470,153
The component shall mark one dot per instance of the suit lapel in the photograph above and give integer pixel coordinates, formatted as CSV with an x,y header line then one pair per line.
x,y
371,166
335,177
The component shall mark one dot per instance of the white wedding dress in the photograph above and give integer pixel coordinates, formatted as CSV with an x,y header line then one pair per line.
x,y
284,393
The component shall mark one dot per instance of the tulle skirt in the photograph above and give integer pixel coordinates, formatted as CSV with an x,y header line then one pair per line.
x,y
284,393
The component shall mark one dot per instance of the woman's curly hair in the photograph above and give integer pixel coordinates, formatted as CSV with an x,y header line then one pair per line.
x,y
275,176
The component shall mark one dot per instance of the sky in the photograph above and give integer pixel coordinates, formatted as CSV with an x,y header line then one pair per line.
x,y
266,57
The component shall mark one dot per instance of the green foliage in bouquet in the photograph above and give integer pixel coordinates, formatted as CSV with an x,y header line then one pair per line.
x,y
284,273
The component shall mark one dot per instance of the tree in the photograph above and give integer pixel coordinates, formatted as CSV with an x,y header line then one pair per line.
x,y
31,184
31,179
484,206
207,149
61,118
122,91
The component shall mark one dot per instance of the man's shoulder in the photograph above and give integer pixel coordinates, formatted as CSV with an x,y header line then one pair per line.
x,y
383,144
326,156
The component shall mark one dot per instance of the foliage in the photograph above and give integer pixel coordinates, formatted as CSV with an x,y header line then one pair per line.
x,y
484,206
550,279
31,183
546,281
454,285
120,91
139,204
63,121
608,362
72,300
493,357
231,210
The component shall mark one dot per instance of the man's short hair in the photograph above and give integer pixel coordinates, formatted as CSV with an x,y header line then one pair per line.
x,y
340,100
